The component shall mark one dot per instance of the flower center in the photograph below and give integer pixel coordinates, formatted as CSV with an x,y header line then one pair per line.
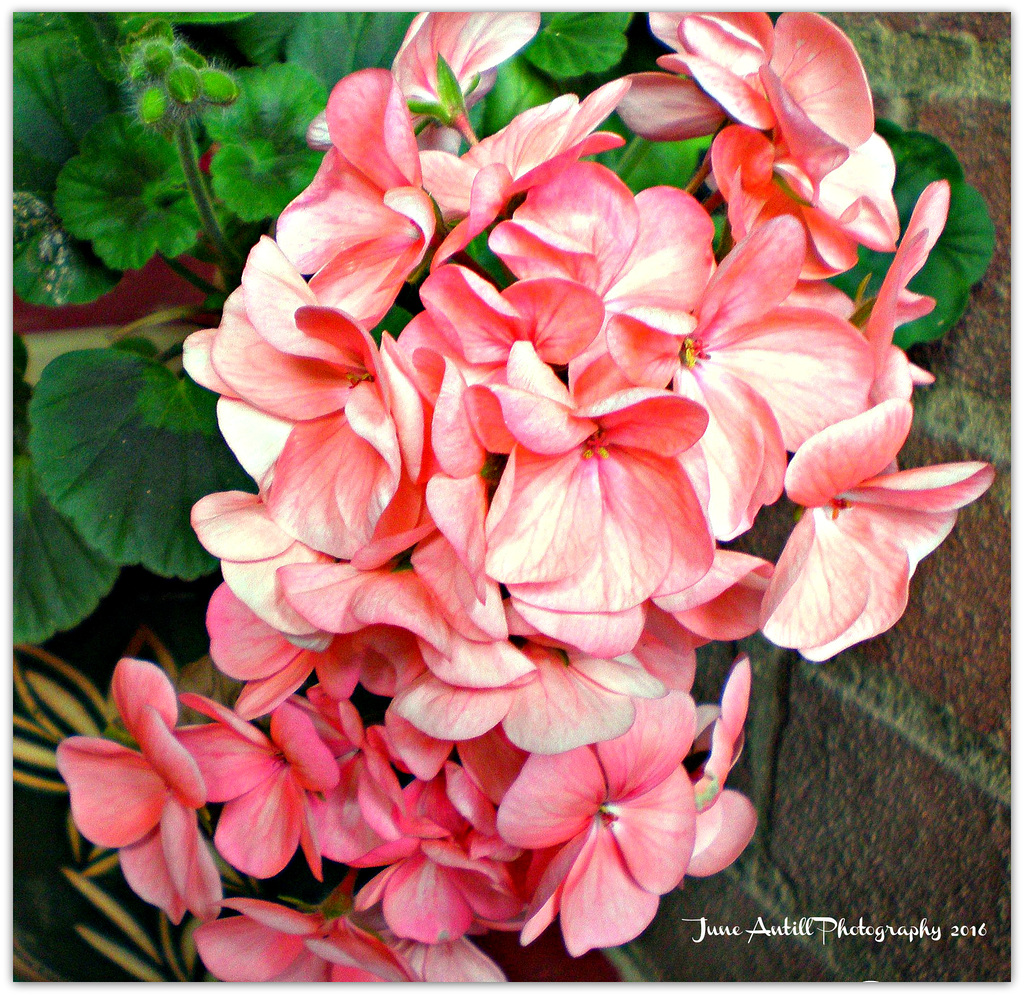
x,y
691,352
836,505
593,447
607,815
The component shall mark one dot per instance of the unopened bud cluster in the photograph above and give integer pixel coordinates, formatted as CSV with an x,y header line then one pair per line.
x,y
173,81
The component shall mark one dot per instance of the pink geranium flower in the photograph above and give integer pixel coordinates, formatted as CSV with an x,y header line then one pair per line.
x,y
272,943
535,146
364,223
622,816
769,375
144,801
802,77
844,574
270,784
582,520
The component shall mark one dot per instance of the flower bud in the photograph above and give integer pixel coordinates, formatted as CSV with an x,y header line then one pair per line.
x,y
152,105
157,58
218,87
183,84
191,57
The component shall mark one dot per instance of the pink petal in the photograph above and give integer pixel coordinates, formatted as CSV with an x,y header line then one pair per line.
x,y
421,902
940,488
655,833
116,797
145,870
845,454
230,764
723,831
601,904
259,832
312,763
236,525
447,712
664,108
138,684
189,863
170,759
554,798
654,746
240,949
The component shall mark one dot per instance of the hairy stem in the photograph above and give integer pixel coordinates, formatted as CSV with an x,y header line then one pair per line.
x,y
201,196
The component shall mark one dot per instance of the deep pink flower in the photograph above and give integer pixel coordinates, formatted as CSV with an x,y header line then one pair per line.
x,y
272,943
623,815
269,784
844,574
145,803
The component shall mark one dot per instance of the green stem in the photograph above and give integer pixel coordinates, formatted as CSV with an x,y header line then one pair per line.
x,y
631,157
201,196
193,278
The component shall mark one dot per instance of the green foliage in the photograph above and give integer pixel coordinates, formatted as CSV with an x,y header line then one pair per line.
x,y
333,44
58,578
264,162
641,164
518,87
963,252
262,39
126,193
572,43
96,38
58,97
392,323
124,449
51,267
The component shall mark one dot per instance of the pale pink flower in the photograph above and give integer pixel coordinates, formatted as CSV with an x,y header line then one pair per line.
x,y
364,223
446,961
269,784
801,78
768,375
437,889
849,206
144,802
844,574
534,147
623,817
594,510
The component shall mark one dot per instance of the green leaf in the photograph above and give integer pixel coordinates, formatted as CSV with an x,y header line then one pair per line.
x,y
51,267
571,44
641,164
126,192
262,39
96,35
125,448
58,578
963,252
264,162
392,323
518,87
58,97
22,394
333,44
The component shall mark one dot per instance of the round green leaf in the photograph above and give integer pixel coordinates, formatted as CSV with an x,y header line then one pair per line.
x,y
264,162
58,97
333,44
125,448
963,252
126,193
51,267
58,578
575,43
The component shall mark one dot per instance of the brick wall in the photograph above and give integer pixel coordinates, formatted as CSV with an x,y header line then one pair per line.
x,y
882,778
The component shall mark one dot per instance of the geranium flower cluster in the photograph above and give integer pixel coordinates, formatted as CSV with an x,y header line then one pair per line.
x,y
508,519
